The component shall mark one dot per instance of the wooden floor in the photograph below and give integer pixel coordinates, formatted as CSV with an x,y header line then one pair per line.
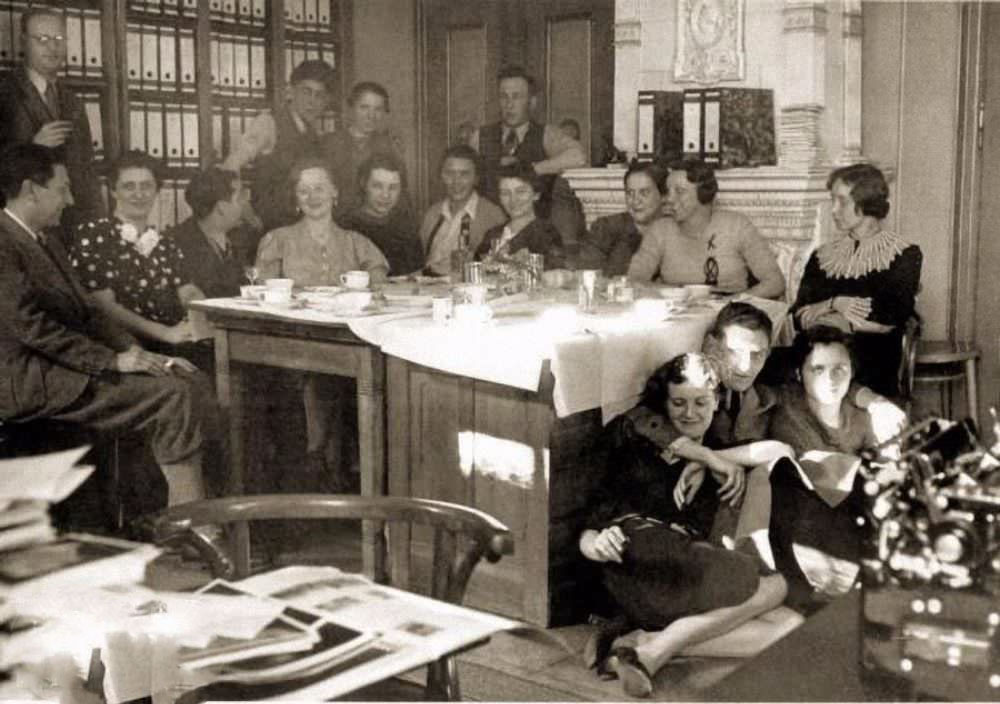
x,y
541,665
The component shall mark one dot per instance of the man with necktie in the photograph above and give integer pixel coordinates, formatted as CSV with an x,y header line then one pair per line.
x,y
544,148
62,358
35,106
442,222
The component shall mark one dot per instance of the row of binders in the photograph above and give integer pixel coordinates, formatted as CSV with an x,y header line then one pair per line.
x,y
296,52
167,131
308,15
83,40
170,8
238,66
160,58
727,127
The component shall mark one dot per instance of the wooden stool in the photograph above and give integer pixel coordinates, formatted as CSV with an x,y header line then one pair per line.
x,y
942,362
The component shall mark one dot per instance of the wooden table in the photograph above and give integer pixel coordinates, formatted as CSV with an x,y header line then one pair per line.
x,y
501,450
254,337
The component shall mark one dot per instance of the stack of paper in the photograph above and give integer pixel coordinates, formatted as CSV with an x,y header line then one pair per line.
x,y
27,486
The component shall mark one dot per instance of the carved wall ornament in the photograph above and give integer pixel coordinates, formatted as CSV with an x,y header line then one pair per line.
x,y
710,44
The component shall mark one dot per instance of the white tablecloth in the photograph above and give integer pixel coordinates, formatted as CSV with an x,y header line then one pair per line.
x,y
600,360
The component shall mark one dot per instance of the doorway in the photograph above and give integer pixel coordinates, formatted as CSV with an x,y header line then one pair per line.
x,y
566,44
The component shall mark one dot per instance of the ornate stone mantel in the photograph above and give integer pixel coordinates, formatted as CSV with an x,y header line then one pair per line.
x,y
807,51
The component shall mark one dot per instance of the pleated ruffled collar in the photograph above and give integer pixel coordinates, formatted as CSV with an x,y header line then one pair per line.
x,y
848,258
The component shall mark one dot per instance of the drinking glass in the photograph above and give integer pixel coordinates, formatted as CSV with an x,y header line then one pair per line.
x,y
251,273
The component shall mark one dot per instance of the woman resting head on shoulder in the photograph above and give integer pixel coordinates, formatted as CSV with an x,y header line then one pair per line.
x,y
519,189
656,568
865,281
315,251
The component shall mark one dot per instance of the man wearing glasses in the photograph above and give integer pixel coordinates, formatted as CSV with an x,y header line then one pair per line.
x,y
35,106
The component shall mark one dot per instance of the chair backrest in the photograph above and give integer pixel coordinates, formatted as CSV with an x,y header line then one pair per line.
x,y
462,536
908,359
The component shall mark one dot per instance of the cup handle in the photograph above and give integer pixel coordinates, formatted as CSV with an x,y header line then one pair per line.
x,y
343,279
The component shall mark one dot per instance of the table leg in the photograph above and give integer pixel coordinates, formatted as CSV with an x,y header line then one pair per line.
x,y
371,447
230,387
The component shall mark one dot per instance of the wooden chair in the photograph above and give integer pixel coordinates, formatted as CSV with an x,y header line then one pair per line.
x,y
942,362
908,361
462,536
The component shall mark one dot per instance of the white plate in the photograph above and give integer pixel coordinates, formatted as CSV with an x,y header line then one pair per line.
x,y
322,289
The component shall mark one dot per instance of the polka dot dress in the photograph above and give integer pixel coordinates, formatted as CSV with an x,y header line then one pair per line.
x,y
146,285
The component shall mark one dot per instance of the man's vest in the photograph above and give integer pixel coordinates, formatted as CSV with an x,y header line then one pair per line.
x,y
530,151
273,199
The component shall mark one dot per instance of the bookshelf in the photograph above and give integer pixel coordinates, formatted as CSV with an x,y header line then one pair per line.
x,y
181,79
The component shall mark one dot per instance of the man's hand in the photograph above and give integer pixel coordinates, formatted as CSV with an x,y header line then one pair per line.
x,y
690,481
509,160
852,306
731,477
53,134
607,545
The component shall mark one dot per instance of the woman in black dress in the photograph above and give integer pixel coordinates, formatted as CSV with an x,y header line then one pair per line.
x,y
866,281
649,532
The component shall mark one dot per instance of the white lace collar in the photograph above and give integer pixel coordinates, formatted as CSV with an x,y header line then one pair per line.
x,y
848,258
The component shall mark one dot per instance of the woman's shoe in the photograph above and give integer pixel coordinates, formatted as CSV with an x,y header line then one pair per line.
x,y
598,645
636,680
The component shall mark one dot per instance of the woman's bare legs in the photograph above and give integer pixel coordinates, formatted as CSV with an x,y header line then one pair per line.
x,y
655,648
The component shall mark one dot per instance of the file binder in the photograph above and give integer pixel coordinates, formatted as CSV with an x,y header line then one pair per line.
x,y
241,61
150,58
710,137
692,124
92,106
174,135
246,12
325,20
133,56
190,8
226,65
6,38
171,8
74,42
214,50
645,129
310,15
259,12
92,50
188,70
154,130
258,67
189,130
168,58
218,136
137,126
215,10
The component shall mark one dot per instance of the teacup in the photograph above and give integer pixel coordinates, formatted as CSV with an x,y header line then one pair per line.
x,y
674,294
355,279
253,292
279,283
355,299
698,291
471,313
474,294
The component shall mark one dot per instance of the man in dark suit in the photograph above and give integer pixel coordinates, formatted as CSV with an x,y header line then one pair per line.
x,y
60,357
36,107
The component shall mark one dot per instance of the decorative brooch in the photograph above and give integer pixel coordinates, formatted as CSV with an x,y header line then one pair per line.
x,y
144,243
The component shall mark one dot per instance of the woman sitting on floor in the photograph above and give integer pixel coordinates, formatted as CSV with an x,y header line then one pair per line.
x,y
813,533
648,531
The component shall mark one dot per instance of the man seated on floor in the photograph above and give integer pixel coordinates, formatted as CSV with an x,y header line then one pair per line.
x,y
61,358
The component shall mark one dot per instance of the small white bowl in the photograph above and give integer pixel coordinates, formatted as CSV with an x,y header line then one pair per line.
x,y
674,293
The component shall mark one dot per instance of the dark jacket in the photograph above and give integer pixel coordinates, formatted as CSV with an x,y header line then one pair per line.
x,y
23,112
531,150
609,244
52,339
217,276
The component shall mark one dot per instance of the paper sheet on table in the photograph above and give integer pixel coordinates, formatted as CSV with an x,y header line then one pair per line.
x,y
50,477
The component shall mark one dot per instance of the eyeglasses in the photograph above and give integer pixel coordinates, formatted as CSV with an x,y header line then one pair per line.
x,y
46,39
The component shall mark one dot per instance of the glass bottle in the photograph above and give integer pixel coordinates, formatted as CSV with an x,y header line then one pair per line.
x,y
462,254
